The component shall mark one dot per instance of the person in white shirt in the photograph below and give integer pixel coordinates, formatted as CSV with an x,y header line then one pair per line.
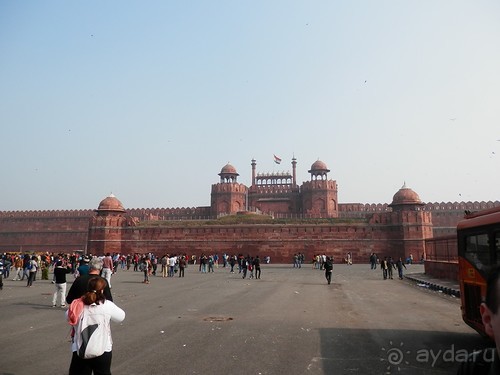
x,y
171,263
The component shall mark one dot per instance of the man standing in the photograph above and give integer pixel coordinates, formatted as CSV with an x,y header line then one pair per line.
x,y
1,273
390,266
60,273
399,265
32,269
84,268
182,265
384,267
79,286
373,261
18,268
244,267
171,265
328,269
107,268
256,264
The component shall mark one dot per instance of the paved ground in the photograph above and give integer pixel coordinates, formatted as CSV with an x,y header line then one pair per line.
x,y
289,322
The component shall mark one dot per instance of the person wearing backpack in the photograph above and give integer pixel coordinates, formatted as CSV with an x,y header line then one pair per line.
x,y
90,316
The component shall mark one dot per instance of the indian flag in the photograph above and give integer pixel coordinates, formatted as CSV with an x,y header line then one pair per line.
x,y
277,160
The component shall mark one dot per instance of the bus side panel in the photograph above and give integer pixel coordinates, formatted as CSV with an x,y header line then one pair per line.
x,y
472,293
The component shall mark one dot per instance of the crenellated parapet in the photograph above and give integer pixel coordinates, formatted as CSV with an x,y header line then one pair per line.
x,y
231,187
273,189
319,185
46,214
470,206
176,213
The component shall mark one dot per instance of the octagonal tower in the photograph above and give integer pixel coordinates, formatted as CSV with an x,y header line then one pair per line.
x,y
319,196
105,230
228,196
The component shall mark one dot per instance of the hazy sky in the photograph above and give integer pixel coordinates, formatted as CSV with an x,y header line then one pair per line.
x,y
150,99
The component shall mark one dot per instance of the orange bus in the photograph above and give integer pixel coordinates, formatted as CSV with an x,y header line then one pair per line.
x,y
478,237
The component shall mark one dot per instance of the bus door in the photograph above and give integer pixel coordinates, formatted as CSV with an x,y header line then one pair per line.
x,y
480,255
496,244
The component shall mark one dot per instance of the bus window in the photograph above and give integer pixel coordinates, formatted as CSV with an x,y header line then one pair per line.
x,y
497,246
477,250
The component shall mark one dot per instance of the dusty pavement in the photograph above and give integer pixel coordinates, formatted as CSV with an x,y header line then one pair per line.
x,y
288,322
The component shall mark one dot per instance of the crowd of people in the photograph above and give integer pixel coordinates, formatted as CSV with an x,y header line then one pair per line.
x,y
26,267
91,303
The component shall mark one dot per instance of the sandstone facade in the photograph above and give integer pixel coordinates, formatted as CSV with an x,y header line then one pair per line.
x,y
397,229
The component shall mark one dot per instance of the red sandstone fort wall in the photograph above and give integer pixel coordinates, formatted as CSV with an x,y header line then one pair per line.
x,y
279,242
44,230
68,230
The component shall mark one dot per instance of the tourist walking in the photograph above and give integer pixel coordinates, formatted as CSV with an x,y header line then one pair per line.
x,y
373,261
250,267
256,264
328,265
399,265
384,267
244,267
232,263
26,261
390,267
6,266
18,268
146,268
32,268
172,261
182,265
349,259
164,266
1,273
203,263
211,262
107,268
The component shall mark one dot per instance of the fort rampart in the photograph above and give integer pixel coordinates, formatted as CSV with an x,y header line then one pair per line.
x,y
361,229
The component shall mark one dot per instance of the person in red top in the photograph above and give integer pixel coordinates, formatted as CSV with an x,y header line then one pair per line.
x,y
107,268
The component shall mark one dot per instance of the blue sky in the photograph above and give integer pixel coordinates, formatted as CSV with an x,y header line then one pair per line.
x,y
149,100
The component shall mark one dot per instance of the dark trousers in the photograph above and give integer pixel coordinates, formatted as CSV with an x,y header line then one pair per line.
x,y
328,275
181,271
100,365
389,271
257,272
31,278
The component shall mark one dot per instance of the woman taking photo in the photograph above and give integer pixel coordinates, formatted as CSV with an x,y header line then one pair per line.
x,y
92,344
